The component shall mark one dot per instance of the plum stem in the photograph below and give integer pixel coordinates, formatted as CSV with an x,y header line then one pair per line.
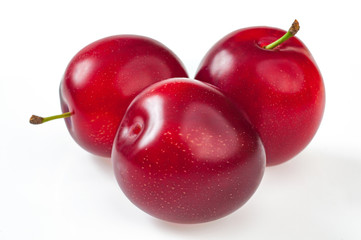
x,y
291,32
39,120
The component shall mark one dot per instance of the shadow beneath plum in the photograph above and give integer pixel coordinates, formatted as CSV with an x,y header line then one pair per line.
x,y
224,228
317,176
104,165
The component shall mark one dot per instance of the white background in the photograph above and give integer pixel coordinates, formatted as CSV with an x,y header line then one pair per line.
x,y
50,188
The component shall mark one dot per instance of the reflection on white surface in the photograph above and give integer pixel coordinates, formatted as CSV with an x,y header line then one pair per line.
x,y
154,108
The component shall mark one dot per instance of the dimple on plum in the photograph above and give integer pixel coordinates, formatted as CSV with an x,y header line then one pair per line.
x,y
184,153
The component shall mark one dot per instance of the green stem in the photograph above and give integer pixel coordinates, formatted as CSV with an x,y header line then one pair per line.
x,y
291,32
39,120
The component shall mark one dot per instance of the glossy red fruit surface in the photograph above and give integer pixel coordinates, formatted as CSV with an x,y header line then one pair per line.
x,y
281,90
184,153
103,78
